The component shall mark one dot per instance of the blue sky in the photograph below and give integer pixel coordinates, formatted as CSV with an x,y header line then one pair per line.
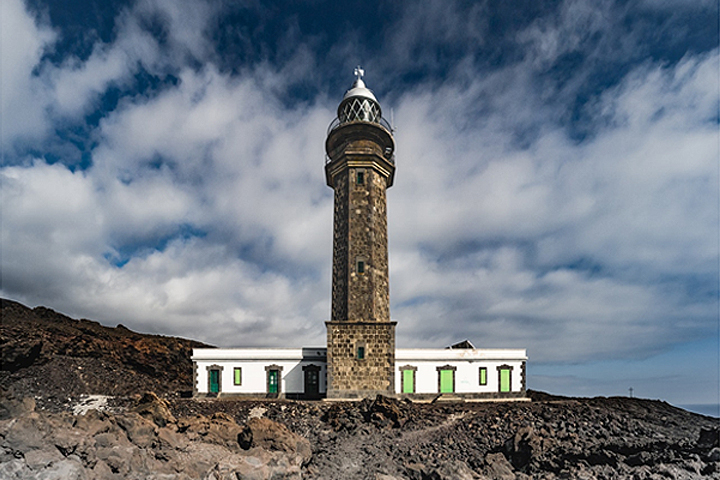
x,y
557,182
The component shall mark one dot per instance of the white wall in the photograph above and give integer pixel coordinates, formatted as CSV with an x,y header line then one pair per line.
x,y
254,375
467,364
292,381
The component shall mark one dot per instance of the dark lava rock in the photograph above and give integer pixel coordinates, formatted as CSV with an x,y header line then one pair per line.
x,y
49,360
52,357
264,433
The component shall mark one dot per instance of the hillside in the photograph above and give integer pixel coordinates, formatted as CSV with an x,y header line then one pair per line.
x,y
50,360
52,357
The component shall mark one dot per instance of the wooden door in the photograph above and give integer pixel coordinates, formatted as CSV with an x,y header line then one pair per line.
x,y
214,381
446,381
312,383
408,381
273,379
505,384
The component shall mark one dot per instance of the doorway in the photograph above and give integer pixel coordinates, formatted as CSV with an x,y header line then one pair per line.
x,y
274,380
214,379
407,379
446,379
505,380
312,381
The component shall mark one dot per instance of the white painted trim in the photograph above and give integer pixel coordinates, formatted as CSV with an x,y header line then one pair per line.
x,y
257,353
449,354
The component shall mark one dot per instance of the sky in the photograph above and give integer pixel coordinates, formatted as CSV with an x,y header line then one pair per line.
x,y
557,183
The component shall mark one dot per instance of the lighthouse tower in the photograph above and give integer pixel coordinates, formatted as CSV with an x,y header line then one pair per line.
x,y
360,167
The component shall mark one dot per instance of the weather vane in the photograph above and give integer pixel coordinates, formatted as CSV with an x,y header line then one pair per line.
x,y
359,72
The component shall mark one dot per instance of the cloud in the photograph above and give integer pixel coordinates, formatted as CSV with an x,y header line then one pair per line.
x,y
23,40
609,238
203,210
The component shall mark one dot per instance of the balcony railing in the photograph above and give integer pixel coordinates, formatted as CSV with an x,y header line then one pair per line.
x,y
390,159
338,123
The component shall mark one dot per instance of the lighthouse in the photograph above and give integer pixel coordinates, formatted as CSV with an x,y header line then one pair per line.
x,y
360,358
360,167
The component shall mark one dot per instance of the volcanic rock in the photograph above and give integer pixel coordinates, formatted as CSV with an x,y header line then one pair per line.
x,y
53,365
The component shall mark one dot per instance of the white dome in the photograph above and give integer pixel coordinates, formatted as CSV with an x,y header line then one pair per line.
x,y
359,89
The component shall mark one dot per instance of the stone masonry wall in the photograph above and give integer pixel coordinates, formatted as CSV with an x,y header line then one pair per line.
x,y
368,295
340,249
349,376
379,240
360,234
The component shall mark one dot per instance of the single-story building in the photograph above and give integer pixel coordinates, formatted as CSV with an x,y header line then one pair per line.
x,y
301,373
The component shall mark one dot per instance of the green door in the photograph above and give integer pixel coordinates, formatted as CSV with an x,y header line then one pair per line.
x,y
273,381
408,378
505,379
446,381
214,381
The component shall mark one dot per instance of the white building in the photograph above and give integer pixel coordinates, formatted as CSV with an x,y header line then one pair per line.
x,y
301,373
252,372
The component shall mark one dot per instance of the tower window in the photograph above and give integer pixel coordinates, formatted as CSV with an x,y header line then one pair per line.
x,y
361,266
360,178
360,353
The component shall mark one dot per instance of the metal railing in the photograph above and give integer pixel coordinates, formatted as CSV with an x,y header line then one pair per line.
x,y
337,123
390,159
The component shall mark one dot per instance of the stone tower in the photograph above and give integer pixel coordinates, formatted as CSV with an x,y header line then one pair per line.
x,y
360,166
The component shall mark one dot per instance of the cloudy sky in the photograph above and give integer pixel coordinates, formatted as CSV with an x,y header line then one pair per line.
x,y
556,188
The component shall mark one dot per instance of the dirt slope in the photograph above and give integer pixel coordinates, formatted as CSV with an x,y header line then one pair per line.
x,y
52,357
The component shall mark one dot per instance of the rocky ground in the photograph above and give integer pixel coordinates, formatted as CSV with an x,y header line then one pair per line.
x,y
71,408
54,358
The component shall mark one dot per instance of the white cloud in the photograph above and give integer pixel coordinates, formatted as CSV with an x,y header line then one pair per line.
x,y
631,202
575,250
78,84
23,97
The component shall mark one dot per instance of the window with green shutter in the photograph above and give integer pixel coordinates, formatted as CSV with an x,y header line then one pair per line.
x,y
237,376
483,375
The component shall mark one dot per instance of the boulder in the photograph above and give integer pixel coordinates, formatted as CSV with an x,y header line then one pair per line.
x,y
14,469
264,433
498,467
455,470
26,433
12,408
93,422
70,468
522,447
39,459
155,409
170,438
713,455
708,438
140,431
256,464
415,471
386,412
